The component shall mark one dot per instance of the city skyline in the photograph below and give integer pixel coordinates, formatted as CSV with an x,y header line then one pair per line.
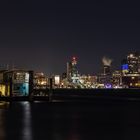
x,y
23,81
106,61
45,35
69,69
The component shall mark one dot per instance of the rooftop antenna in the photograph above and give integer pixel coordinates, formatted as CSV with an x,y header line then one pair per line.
x,y
7,67
13,66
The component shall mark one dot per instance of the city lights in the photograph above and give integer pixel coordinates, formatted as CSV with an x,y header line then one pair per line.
x,y
127,77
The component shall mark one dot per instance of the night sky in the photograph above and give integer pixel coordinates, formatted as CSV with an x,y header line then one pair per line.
x,y
43,35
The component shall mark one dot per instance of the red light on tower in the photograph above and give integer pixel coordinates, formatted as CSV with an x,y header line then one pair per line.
x,y
74,58
74,61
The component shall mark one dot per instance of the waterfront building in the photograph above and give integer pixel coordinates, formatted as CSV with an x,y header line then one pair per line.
x,y
4,88
131,80
117,79
19,79
88,81
57,81
40,80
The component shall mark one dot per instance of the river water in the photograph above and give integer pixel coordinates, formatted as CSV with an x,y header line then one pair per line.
x,y
109,120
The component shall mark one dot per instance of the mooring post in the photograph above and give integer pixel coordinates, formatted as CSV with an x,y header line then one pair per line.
x,y
51,89
11,88
31,86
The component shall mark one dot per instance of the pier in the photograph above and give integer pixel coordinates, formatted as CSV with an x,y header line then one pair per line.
x,y
57,95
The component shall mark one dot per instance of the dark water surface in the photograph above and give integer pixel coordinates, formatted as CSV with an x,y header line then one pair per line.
x,y
109,120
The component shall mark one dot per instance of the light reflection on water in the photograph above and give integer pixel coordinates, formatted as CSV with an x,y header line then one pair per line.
x,y
4,105
60,121
2,125
26,124
15,121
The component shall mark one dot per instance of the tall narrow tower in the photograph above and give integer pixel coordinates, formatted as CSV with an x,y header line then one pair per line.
x,y
72,69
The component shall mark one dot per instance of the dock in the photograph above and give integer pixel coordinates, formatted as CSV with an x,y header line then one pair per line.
x,y
79,95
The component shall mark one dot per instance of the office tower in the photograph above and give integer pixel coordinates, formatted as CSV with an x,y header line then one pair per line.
x,y
131,70
133,62
72,72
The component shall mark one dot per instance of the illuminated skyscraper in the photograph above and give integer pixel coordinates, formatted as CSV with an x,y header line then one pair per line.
x,y
72,72
133,62
131,70
105,77
106,70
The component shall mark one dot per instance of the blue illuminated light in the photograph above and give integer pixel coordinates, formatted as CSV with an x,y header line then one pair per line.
x,y
125,67
108,86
